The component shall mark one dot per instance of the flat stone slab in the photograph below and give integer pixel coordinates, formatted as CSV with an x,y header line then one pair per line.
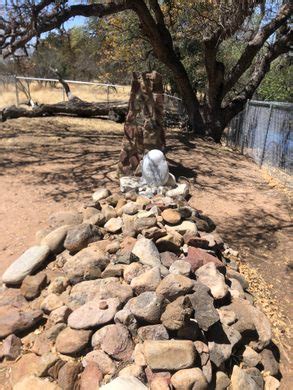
x,y
30,260
169,354
94,313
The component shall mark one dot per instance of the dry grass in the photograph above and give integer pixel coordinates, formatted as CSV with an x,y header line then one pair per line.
x,y
54,94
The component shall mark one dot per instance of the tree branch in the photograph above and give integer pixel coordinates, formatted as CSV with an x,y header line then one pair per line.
x,y
281,46
255,45
19,34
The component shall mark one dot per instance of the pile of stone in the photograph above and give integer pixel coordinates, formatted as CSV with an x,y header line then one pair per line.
x,y
132,293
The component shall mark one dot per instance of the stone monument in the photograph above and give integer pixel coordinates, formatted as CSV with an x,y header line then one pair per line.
x,y
143,129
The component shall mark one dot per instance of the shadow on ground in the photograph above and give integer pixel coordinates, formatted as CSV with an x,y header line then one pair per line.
x,y
69,157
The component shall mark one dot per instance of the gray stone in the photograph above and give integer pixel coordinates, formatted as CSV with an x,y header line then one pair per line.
x,y
182,190
55,239
227,317
113,270
127,383
211,277
101,359
115,289
189,378
28,262
147,307
250,357
32,285
86,265
221,342
169,354
173,286
72,341
271,383
153,332
125,317
250,318
184,227
133,270
100,194
269,362
115,340
60,315
94,313
236,289
203,304
180,267
147,252
51,302
131,208
58,285
114,225
79,236
147,281
84,292
172,242
241,380
177,313
222,381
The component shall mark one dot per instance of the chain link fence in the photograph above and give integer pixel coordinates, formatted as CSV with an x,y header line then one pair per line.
x,y
263,131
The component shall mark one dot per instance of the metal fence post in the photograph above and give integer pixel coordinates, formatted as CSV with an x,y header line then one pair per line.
x,y
16,91
242,127
266,136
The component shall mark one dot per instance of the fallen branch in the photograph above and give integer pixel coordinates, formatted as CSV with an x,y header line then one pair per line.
x,y
114,110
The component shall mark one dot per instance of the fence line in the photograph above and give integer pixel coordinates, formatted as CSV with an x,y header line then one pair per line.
x,y
263,131
172,103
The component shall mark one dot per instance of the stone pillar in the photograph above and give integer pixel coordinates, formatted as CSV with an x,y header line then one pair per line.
x,y
143,129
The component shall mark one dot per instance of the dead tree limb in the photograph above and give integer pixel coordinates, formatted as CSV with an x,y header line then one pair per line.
x,y
74,107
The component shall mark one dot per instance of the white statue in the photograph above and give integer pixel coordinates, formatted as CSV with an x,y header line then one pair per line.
x,y
155,171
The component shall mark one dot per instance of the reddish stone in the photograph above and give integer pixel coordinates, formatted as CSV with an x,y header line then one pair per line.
x,y
168,258
158,380
12,296
127,245
42,344
13,319
195,241
28,364
91,377
68,374
11,347
198,257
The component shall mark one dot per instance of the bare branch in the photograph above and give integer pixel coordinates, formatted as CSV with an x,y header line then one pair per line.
x,y
281,46
255,45
43,18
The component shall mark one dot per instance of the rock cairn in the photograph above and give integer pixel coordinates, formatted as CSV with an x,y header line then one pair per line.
x,y
132,293
144,124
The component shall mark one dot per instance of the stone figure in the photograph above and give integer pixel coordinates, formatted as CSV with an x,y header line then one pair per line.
x,y
155,171
143,129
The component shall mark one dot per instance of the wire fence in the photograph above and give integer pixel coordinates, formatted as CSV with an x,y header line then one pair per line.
x,y
20,89
263,131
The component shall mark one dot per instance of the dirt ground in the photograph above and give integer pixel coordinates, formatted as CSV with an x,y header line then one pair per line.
x,y
52,164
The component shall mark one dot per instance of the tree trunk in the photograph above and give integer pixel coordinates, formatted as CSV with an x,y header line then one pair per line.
x,y
214,122
189,97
